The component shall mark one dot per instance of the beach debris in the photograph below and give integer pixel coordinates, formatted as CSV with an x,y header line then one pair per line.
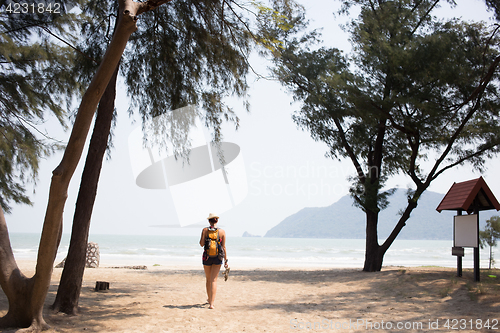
x,y
92,257
132,267
226,273
101,285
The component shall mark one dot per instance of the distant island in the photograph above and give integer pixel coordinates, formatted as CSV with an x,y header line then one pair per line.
x,y
247,234
342,220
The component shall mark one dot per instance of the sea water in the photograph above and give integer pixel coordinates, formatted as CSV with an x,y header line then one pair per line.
x,y
254,252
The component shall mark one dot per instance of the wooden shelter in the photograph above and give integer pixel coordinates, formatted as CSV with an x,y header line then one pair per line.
x,y
470,196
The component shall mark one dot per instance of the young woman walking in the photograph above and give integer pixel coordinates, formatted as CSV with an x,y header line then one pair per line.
x,y
212,258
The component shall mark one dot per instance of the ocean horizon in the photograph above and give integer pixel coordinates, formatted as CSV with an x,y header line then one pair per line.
x,y
254,252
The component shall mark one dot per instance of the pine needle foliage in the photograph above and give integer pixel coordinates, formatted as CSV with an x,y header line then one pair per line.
x,y
184,54
189,53
35,80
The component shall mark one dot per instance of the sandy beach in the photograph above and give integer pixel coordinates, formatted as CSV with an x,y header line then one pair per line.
x,y
166,299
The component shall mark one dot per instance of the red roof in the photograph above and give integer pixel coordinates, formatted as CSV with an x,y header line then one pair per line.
x,y
461,196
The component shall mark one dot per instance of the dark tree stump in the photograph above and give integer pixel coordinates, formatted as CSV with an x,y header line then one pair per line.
x,y
101,285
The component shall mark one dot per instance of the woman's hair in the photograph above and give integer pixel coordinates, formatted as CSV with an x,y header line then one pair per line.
x,y
214,219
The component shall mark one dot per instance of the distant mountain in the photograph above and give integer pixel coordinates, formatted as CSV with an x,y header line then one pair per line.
x,y
247,234
343,220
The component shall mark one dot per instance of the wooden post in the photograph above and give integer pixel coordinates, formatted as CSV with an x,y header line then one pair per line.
x,y
459,253
477,272
459,266
459,258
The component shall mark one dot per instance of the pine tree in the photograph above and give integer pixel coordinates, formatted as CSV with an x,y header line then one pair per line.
x,y
27,295
184,53
414,90
490,235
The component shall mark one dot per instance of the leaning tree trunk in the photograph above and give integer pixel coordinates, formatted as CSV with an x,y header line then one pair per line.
x,y
70,284
27,296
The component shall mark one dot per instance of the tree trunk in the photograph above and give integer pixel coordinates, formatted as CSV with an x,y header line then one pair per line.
x,y
16,286
27,296
491,257
70,284
373,252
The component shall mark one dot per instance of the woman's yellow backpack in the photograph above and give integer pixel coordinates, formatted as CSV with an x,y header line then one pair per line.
x,y
213,242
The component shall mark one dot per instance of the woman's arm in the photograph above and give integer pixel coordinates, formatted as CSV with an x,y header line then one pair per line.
x,y
223,243
202,238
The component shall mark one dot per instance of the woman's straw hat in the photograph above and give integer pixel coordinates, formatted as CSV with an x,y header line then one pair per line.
x,y
212,216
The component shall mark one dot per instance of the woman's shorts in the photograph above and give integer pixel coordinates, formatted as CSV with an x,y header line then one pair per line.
x,y
212,261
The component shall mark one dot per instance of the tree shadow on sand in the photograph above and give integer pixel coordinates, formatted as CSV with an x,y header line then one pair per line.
x,y
427,294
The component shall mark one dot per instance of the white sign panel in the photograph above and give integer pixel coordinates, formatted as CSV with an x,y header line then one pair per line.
x,y
465,230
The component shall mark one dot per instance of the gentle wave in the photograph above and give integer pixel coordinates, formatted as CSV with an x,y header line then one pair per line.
x,y
254,252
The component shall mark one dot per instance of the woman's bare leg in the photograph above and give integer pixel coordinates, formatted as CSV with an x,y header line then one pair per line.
x,y
211,273
208,274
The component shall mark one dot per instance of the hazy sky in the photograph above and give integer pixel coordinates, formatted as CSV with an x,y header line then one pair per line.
x,y
286,170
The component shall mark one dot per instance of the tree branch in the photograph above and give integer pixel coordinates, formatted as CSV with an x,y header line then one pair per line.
x,y
476,94
465,158
424,16
149,5
73,47
412,204
414,154
350,152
